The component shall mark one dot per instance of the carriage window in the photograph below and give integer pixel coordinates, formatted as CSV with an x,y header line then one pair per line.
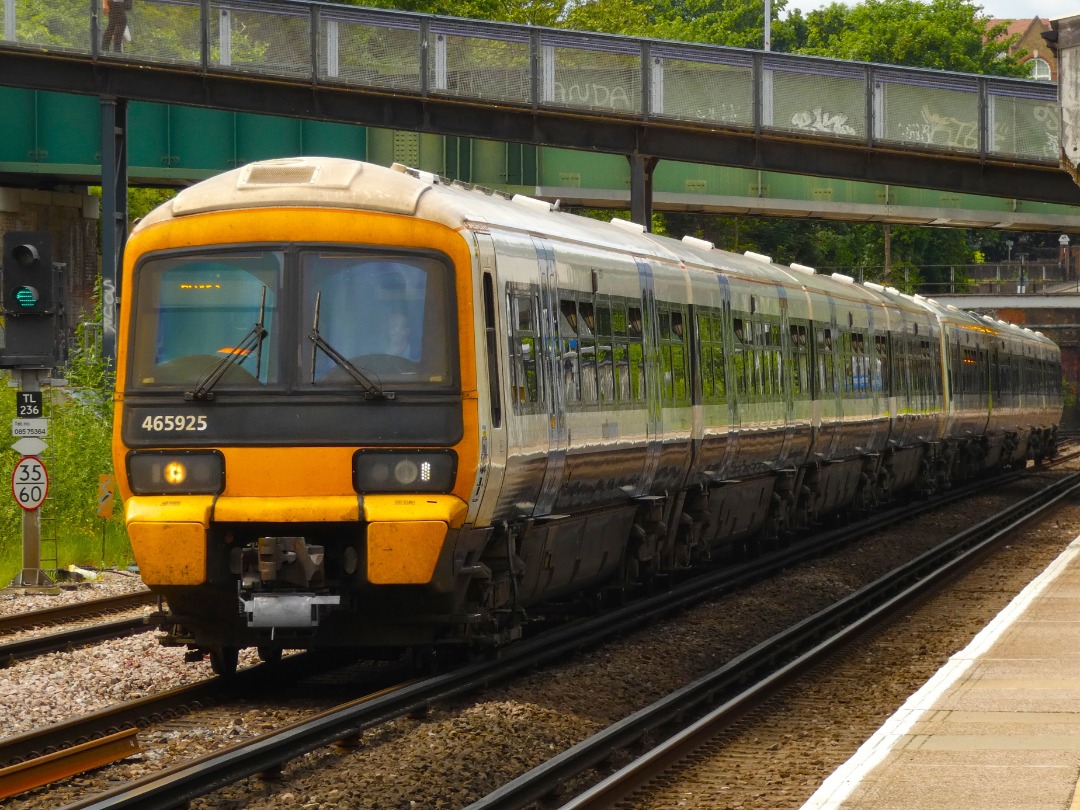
x,y
578,351
826,364
194,311
599,320
800,355
525,378
673,358
711,343
629,352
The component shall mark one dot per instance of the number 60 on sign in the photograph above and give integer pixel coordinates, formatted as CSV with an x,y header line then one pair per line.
x,y
29,482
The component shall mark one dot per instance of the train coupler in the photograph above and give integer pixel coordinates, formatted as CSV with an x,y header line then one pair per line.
x,y
271,573
286,609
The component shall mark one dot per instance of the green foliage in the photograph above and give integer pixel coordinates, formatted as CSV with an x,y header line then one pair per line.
x,y
917,255
79,453
63,23
1068,392
941,34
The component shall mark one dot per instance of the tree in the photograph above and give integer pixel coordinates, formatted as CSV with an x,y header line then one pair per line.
x,y
941,34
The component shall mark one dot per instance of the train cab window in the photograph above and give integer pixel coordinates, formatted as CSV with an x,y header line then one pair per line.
x,y
208,312
388,315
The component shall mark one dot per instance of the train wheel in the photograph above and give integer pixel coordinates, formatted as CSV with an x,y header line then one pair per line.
x,y
270,655
223,660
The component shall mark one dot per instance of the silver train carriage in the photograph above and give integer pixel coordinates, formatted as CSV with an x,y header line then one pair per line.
x,y
363,406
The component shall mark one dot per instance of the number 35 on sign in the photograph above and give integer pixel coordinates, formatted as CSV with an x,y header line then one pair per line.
x,y
29,482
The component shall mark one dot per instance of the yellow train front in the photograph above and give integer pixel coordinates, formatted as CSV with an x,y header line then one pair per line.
x,y
297,421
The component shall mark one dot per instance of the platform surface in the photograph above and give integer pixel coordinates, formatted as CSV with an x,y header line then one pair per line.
x,y
996,728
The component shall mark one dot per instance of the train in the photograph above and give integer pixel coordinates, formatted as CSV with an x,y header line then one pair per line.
x,y
367,407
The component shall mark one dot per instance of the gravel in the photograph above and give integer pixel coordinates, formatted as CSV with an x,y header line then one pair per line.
x,y
463,749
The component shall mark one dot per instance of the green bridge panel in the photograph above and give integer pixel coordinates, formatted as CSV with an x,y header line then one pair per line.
x,y
168,144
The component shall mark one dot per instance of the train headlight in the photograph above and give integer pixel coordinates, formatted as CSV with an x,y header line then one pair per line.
x,y
183,472
404,470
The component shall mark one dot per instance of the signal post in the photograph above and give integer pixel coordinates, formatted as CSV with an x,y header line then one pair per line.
x,y
33,347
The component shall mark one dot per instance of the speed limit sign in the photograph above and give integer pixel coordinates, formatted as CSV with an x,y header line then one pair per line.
x,y
29,482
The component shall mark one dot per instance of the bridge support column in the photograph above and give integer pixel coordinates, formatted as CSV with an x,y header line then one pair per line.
x,y
641,172
114,224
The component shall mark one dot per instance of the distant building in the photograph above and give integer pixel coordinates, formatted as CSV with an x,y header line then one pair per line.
x,y
1043,63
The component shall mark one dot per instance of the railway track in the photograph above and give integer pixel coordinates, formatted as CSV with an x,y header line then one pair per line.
x,y
268,752
90,610
75,611
801,647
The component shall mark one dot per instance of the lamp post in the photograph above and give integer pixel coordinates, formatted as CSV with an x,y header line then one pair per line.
x,y
768,26
1009,244
1063,240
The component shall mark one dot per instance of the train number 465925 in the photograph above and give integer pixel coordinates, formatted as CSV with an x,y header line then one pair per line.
x,y
161,423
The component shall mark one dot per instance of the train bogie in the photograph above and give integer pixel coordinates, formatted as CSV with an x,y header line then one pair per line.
x,y
363,407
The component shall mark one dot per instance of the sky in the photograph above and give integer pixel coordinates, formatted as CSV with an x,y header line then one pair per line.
x,y
1010,9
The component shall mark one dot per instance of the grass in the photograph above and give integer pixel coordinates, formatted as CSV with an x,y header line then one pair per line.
x,y
80,431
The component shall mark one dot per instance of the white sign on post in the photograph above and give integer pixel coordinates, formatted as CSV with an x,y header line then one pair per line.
x,y
29,427
29,483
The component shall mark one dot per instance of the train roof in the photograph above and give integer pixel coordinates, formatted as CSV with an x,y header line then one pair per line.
x,y
352,184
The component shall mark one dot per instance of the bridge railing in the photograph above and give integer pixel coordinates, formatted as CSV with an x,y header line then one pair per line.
x,y
593,74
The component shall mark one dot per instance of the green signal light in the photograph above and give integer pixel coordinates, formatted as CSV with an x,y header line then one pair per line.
x,y
26,297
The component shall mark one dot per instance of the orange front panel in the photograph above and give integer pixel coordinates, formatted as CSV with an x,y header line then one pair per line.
x,y
404,553
288,471
169,553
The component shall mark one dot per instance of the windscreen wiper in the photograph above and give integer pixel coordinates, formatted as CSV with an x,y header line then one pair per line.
x,y
253,340
372,390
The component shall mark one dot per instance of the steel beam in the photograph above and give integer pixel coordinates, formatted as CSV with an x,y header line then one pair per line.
x,y
656,138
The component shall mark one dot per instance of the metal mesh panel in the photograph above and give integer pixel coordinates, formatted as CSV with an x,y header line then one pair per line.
x,y
1024,127
260,39
702,91
917,114
371,54
479,67
56,25
590,79
814,104
165,31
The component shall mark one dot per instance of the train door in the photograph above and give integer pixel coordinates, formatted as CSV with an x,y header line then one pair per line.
x,y
787,378
492,336
654,428
558,438
872,371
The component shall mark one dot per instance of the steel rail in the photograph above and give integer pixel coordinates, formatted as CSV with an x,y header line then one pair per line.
x,y
146,710
852,615
76,637
175,786
50,768
75,610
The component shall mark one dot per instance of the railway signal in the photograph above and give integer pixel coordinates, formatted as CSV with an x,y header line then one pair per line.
x,y
29,276
31,300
